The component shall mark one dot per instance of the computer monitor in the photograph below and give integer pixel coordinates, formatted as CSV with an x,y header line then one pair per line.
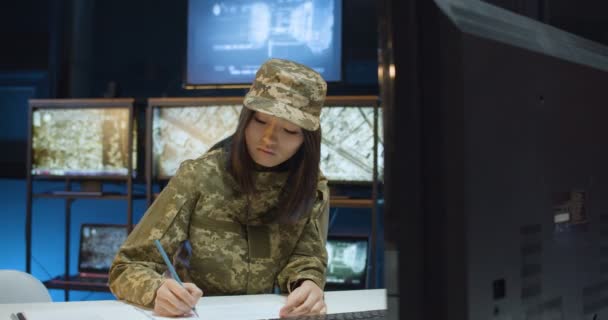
x,y
497,172
346,262
351,129
185,128
82,138
229,40
99,244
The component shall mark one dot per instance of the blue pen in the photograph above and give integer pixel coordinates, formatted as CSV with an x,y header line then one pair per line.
x,y
171,269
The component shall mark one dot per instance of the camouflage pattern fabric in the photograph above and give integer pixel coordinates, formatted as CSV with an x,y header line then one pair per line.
x,y
288,90
234,249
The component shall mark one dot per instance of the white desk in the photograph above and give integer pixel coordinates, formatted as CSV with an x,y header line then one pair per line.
x,y
223,307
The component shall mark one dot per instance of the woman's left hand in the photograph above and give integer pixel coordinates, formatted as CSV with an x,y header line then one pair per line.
x,y
307,299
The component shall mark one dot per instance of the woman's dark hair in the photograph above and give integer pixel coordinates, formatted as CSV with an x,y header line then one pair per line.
x,y
299,192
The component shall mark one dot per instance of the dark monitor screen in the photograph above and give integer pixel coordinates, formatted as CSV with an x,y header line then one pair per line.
x,y
347,262
505,216
99,243
229,40
181,133
81,142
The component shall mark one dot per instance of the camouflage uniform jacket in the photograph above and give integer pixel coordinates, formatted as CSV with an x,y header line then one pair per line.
x,y
234,250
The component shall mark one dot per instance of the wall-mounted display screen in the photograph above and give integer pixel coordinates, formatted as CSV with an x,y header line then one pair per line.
x,y
228,40
181,133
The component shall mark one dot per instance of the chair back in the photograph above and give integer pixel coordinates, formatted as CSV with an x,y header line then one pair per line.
x,y
21,287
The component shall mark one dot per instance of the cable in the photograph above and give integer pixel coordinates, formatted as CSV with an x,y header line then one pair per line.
x,y
332,218
42,267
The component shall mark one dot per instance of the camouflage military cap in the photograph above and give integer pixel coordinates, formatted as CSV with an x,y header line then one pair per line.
x,y
288,90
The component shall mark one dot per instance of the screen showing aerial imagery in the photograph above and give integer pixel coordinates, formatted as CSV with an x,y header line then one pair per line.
x,y
81,142
181,133
228,40
99,244
347,145
347,262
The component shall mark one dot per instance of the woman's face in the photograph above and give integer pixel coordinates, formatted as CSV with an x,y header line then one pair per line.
x,y
271,140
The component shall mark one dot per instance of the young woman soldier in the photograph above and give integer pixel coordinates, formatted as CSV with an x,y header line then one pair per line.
x,y
254,208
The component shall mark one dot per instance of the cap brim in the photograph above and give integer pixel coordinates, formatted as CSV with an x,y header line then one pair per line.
x,y
283,111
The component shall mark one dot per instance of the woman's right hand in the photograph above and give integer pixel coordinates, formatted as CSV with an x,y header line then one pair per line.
x,y
175,300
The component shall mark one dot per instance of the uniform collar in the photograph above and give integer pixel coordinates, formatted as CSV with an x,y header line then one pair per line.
x,y
266,180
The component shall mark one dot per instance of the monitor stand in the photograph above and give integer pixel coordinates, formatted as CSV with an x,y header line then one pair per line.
x,y
87,188
91,186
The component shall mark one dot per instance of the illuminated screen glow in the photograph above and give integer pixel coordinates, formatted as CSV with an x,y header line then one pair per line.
x,y
81,142
347,145
98,246
347,262
228,40
181,133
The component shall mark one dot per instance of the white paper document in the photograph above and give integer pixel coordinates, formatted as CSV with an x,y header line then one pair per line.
x,y
232,308
254,307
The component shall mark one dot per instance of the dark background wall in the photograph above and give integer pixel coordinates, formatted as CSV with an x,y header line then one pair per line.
x,y
24,30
